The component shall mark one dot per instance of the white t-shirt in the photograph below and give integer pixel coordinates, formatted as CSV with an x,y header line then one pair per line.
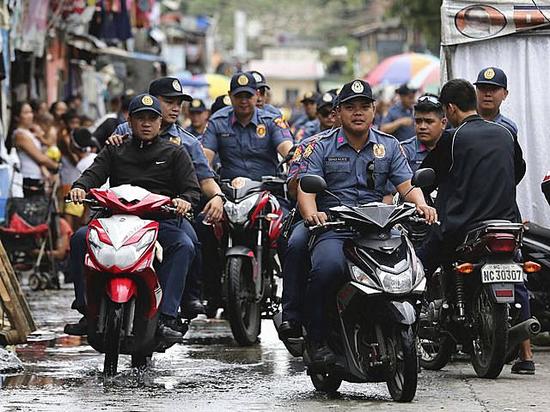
x,y
86,162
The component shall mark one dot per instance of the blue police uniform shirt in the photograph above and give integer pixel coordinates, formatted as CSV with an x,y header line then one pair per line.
x,y
247,151
398,111
269,108
176,134
312,127
193,131
415,151
298,163
346,170
506,122
299,122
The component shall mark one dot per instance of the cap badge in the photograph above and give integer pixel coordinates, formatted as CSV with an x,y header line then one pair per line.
x,y
196,103
379,151
176,140
147,100
489,74
176,85
327,97
242,80
257,77
357,87
308,95
260,130
227,101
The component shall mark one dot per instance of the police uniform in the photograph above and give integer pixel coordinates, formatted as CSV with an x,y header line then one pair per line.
x,y
261,82
251,150
313,127
415,151
398,111
355,177
196,106
302,119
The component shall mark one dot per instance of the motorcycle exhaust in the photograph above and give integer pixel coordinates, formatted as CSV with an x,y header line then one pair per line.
x,y
522,331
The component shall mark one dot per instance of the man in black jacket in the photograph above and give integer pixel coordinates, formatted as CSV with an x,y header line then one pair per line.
x,y
159,167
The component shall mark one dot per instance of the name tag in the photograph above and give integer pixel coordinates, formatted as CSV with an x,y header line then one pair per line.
x,y
225,134
337,159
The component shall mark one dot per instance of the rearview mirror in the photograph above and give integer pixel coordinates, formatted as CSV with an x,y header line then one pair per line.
x,y
423,178
313,184
545,186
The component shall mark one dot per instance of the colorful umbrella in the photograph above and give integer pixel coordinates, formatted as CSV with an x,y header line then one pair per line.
x,y
399,69
428,79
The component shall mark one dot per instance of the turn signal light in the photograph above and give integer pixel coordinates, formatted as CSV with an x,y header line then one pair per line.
x,y
531,267
464,268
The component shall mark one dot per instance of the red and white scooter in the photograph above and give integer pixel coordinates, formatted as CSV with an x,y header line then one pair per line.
x,y
123,293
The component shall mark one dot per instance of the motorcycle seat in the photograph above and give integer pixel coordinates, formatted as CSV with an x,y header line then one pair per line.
x,y
534,230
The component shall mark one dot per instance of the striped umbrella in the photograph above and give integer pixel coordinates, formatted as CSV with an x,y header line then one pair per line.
x,y
399,69
428,79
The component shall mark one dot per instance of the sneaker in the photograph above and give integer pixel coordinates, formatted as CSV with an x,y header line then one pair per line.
x,y
167,328
193,308
523,367
77,329
322,354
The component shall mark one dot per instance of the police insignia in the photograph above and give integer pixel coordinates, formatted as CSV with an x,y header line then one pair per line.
x,y
227,100
309,150
327,97
279,121
242,80
357,87
176,85
147,100
489,74
257,77
379,151
260,130
195,103
297,155
176,140
308,95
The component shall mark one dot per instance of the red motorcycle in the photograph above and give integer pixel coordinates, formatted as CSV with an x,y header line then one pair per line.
x,y
122,290
248,235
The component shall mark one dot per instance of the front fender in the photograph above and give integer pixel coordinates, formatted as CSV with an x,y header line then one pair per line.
x,y
402,312
240,251
120,290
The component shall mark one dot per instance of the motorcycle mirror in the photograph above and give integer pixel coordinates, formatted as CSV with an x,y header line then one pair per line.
x,y
313,184
545,186
423,178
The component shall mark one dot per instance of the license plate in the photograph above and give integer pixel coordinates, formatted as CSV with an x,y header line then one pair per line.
x,y
498,273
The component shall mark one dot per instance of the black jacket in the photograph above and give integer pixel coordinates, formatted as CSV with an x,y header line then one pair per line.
x,y
160,167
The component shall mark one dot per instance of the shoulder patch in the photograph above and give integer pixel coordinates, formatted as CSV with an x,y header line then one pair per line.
x,y
279,121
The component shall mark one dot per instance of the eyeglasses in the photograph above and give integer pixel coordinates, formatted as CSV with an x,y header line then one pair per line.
x,y
429,99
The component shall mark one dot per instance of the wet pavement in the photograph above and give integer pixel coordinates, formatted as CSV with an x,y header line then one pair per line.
x,y
210,372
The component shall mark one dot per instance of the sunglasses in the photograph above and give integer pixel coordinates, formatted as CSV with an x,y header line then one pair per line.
x,y
429,99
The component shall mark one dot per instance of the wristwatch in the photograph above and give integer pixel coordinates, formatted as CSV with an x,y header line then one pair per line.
x,y
224,198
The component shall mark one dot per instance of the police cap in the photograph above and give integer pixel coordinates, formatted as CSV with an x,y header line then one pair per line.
x,y
220,102
404,89
325,99
260,79
242,82
493,76
197,106
144,102
168,87
354,89
309,97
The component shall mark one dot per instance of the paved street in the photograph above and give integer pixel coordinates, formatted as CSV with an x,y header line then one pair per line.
x,y
210,373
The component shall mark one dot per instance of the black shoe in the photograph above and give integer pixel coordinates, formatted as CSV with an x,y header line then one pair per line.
x,y
523,367
77,329
168,328
193,308
290,329
322,354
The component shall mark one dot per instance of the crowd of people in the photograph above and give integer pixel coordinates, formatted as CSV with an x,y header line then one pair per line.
x,y
365,153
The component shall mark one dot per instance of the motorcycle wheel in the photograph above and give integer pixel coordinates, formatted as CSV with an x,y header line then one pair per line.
x,y
512,354
34,282
402,384
435,355
325,382
490,337
113,328
244,312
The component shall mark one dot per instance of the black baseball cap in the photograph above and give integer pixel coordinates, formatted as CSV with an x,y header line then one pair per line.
x,y
144,102
493,76
354,89
83,139
220,102
197,106
168,87
260,79
326,99
404,89
309,97
243,82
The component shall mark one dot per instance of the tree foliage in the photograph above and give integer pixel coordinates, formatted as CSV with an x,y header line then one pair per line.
x,y
421,15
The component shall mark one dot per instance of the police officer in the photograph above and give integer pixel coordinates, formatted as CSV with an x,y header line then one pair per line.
x,y
399,121
219,103
169,92
344,158
492,90
326,117
155,164
263,94
198,114
310,111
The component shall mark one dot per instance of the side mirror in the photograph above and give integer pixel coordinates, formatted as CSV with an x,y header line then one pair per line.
x,y
423,178
313,184
545,186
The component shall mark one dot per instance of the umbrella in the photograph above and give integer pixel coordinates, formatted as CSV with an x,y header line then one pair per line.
x,y
428,79
399,69
217,84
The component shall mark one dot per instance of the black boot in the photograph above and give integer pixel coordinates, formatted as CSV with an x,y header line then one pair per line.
x,y
167,329
322,354
193,308
77,329
290,329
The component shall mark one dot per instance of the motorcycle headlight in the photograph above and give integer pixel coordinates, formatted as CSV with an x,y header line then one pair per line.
x,y
107,256
401,283
238,212
360,276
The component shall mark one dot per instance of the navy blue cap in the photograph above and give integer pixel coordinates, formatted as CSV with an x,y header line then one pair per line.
x,y
243,82
144,102
309,97
168,87
326,99
354,89
197,105
404,89
220,102
260,79
493,76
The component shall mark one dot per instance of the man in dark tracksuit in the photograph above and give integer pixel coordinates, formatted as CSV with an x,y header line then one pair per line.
x,y
160,167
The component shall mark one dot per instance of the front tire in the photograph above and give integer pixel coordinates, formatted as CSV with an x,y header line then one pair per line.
x,y
491,334
402,384
436,355
325,382
112,336
244,312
